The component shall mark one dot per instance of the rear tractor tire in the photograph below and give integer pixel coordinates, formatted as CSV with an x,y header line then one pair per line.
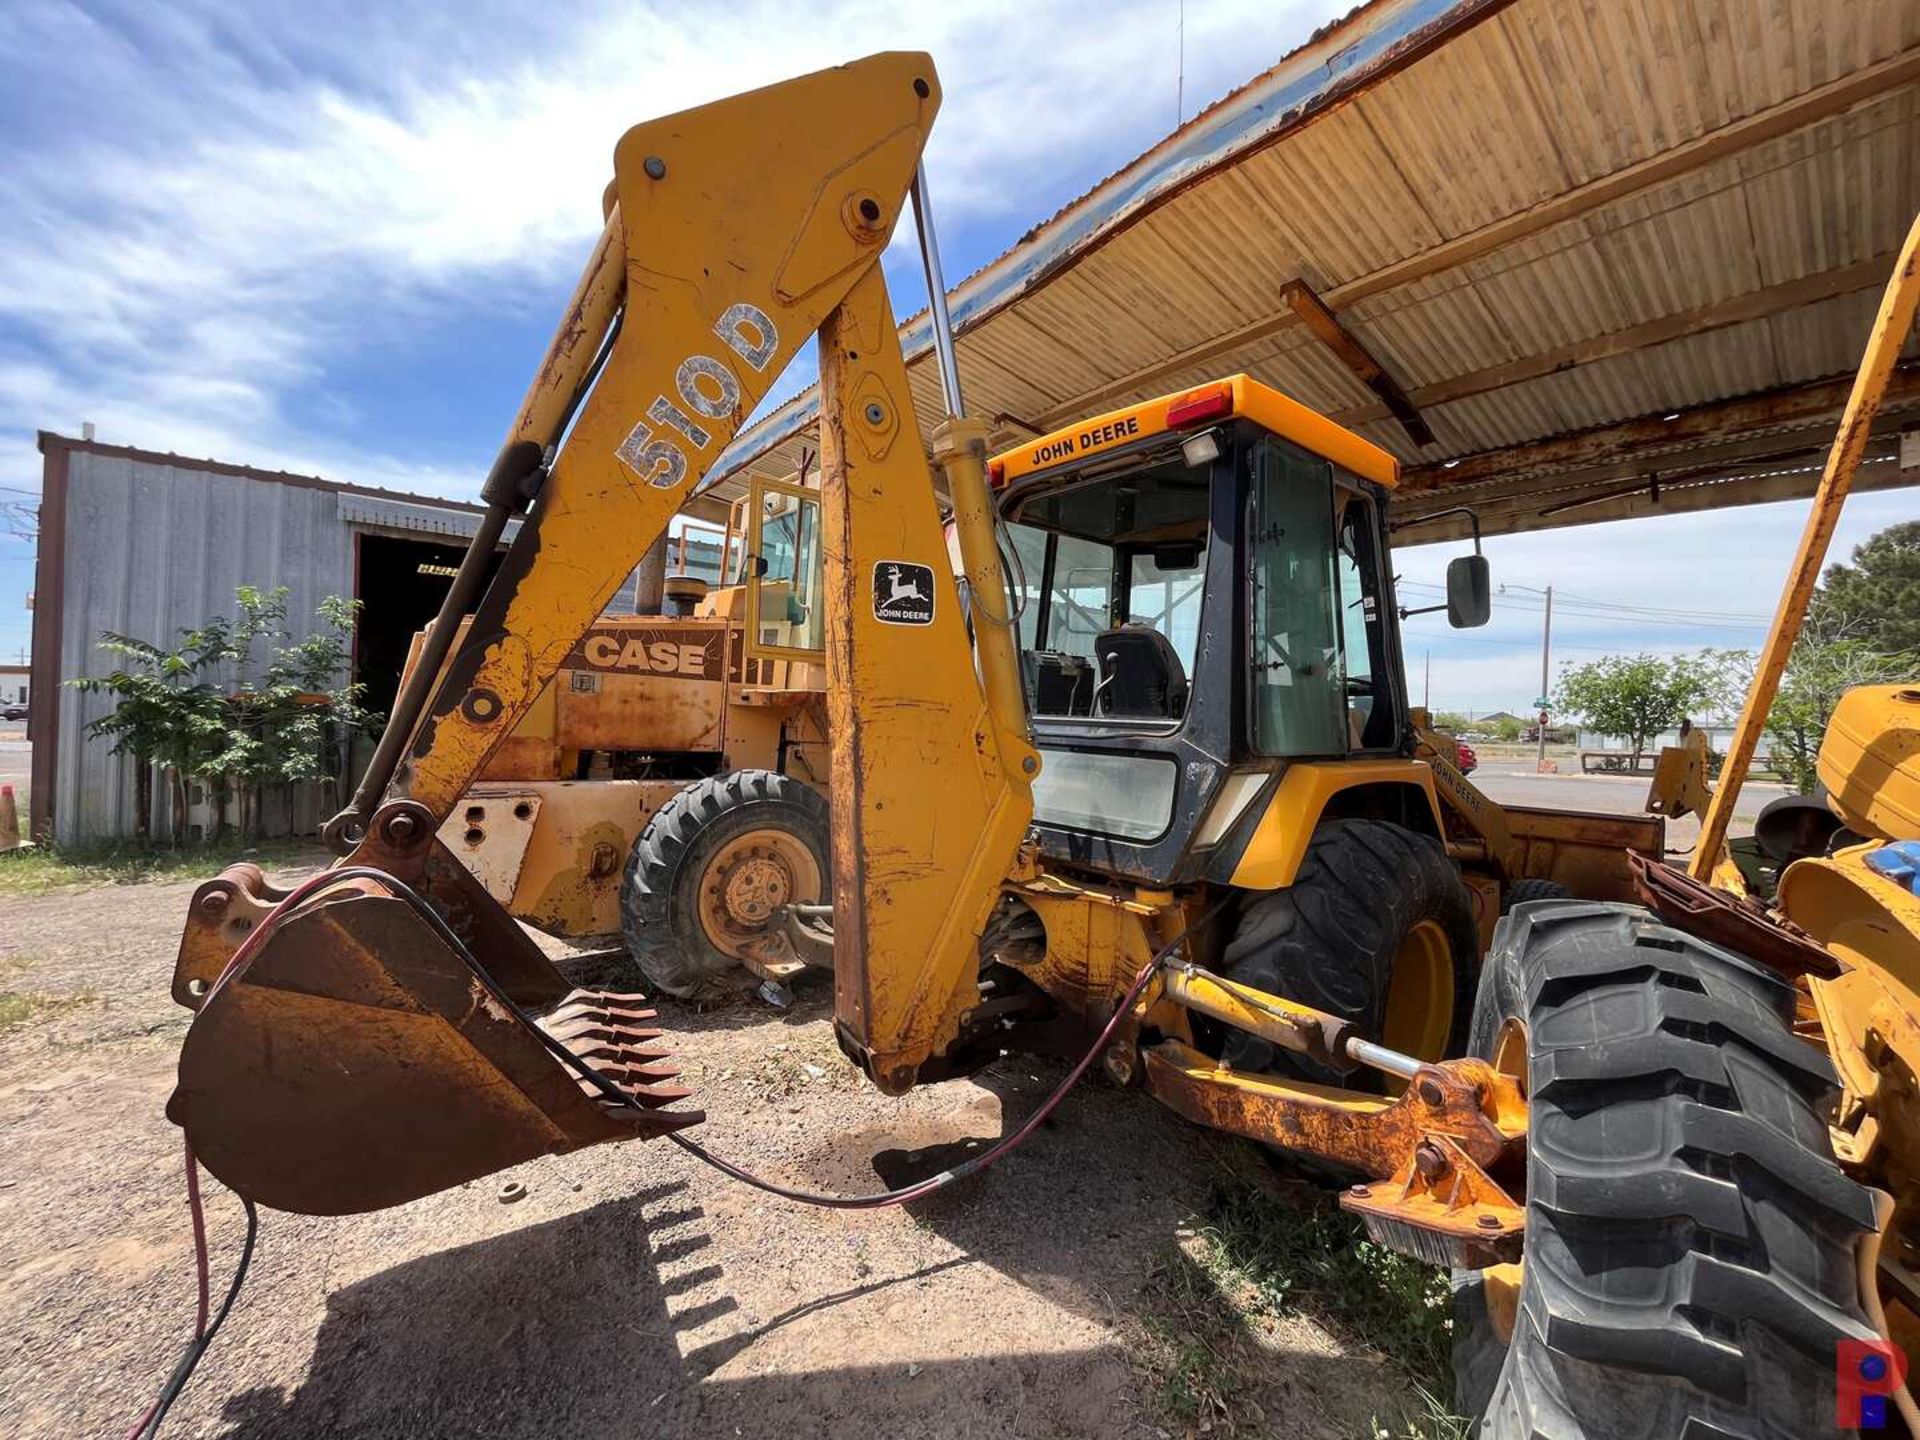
x,y
1690,1243
713,869
1377,927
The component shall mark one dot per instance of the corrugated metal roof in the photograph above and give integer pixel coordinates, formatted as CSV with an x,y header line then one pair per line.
x,y
1546,215
419,517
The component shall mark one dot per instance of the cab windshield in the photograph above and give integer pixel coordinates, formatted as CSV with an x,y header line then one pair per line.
x,y
1114,570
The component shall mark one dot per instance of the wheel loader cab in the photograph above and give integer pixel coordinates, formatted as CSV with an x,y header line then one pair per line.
x,y
1205,599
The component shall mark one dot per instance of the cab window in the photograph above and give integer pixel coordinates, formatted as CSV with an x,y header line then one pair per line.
x,y
1113,621
1371,721
1321,682
1080,600
786,577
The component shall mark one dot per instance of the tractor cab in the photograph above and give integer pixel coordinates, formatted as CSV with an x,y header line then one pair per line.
x,y
1206,598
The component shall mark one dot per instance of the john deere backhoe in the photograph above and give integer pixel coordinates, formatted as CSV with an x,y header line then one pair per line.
x,y
1159,802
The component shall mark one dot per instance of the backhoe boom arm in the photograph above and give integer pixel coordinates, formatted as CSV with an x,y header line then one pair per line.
x,y
392,1032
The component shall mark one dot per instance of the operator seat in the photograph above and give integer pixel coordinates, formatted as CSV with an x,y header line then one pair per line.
x,y
1140,673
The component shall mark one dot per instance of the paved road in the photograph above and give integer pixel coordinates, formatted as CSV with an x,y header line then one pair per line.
x,y
1609,794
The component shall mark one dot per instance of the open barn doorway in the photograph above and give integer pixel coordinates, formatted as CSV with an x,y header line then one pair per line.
x,y
400,584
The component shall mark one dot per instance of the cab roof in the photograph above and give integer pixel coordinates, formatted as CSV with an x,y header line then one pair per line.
x,y
1236,395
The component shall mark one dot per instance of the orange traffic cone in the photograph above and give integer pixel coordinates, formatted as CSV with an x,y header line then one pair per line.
x,y
9,820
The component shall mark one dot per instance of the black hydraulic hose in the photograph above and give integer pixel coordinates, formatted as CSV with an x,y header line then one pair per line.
x,y
343,831
505,498
971,1166
148,1425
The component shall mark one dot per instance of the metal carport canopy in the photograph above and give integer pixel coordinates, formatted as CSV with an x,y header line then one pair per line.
x,y
1569,262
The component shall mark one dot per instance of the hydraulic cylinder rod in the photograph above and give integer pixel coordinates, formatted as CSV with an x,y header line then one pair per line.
x,y
960,449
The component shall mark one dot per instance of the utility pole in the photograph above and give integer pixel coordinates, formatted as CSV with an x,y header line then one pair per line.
x,y
1426,687
1546,645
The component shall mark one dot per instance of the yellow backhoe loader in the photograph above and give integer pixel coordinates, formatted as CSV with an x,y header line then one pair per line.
x,y
1209,849
668,783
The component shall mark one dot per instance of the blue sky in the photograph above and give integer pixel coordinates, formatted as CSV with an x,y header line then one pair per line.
x,y
334,238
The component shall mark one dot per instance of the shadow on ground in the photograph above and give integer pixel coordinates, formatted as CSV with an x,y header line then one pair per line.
x,y
572,1328
604,964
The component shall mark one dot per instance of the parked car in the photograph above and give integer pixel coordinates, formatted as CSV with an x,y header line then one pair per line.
x,y
1469,761
13,712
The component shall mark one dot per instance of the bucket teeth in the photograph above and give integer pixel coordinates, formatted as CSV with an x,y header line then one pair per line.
x,y
653,1096
360,1061
605,1009
587,1028
608,1031
621,1064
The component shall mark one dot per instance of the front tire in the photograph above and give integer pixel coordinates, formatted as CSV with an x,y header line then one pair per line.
x,y
1689,1260
1377,927
711,871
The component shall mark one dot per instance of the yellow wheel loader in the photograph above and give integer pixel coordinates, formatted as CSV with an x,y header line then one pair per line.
x,y
1157,800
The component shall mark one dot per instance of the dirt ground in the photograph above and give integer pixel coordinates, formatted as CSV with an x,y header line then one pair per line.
x,y
632,1292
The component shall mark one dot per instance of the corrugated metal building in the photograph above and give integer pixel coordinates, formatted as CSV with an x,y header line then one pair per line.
x,y
145,544
1568,261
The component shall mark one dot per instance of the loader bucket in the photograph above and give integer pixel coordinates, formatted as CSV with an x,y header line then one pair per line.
x,y
358,1061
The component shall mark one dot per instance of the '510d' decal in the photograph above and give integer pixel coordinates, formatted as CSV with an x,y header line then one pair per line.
x,y
707,387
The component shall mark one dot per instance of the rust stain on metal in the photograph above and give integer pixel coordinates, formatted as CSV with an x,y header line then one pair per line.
x,y
1444,1208
1736,922
379,1034
1478,1109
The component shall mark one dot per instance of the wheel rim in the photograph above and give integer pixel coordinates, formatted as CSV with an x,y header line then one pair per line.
x,y
747,882
1502,1288
1420,998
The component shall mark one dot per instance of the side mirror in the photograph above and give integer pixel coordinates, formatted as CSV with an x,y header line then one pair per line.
x,y
1469,592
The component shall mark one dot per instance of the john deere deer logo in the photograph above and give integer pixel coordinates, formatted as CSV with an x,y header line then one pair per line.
x,y
902,593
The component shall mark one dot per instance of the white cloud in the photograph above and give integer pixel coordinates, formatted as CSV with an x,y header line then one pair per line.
x,y
215,213
258,206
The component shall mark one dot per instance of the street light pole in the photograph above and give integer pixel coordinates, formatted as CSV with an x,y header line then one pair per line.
x,y
1546,645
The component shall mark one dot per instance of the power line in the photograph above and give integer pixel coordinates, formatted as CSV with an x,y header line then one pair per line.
x,y
1625,615
1569,600
1674,609
1451,636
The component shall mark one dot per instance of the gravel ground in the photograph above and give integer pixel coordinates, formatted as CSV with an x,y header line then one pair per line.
x,y
632,1292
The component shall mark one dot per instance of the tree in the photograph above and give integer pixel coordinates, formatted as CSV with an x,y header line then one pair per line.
x,y
1875,601
1632,697
290,724
1826,662
1450,722
1727,676
282,718
166,714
